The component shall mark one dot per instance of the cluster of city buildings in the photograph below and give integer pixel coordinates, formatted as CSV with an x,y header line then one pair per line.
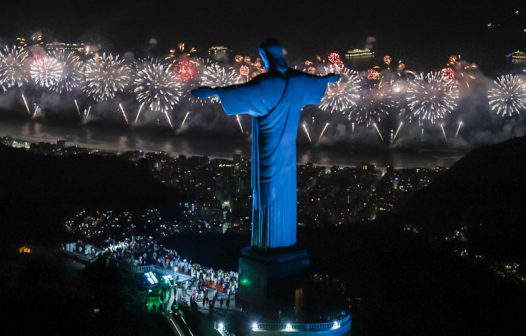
x,y
218,194
335,196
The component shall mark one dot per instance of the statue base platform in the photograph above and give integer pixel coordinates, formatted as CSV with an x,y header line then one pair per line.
x,y
265,276
278,295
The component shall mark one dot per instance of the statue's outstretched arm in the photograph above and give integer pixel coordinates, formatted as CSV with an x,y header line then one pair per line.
x,y
237,99
315,87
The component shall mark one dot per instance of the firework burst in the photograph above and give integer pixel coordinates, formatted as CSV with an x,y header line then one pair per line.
x,y
188,72
46,71
72,71
448,73
105,76
507,97
13,67
461,71
373,105
179,52
216,75
186,69
157,87
343,94
431,97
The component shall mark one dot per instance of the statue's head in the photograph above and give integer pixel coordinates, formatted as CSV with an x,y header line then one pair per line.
x,y
271,52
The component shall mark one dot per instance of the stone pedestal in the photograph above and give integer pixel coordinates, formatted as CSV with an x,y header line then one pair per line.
x,y
267,276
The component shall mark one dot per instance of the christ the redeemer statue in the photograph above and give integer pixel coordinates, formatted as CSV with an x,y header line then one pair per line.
x,y
275,100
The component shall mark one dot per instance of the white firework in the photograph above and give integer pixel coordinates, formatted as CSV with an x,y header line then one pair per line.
x,y
431,97
343,94
373,105
72,71
216,75
14,70
507,96
156,86
105,76
46,71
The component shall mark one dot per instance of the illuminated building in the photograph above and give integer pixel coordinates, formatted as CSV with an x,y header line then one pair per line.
x,y
359,53
518,56
80,48
218,52
365,166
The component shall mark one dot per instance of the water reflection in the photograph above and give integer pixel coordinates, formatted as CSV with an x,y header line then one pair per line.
x,y
122,139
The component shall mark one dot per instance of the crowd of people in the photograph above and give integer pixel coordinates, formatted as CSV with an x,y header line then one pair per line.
x,y
80,247
205,283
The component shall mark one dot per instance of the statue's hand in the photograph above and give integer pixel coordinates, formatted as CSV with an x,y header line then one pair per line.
x,y
204,92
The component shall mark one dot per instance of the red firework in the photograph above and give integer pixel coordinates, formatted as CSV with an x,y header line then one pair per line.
x,y
373,74
244,70
184,69
335,59
448,74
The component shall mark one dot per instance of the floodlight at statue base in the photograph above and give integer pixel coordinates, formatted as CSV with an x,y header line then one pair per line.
x,y
265,276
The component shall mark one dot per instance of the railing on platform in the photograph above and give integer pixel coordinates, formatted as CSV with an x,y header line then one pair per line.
x,y
83,258
323,326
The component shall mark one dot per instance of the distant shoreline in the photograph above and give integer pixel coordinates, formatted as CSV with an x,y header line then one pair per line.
x,y
120,140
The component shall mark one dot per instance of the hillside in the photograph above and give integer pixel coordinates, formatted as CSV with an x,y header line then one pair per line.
x,y
37,192
485,193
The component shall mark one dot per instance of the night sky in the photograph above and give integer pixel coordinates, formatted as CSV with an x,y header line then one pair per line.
x,y
447,260
423,33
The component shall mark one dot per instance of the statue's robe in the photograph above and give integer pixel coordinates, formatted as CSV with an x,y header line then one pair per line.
x,y
275,101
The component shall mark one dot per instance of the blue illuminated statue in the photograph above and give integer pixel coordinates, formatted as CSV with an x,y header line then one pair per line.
x,y
275,100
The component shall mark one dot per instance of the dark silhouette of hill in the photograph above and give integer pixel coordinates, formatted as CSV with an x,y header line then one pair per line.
x,y
37,192
48,294
485,192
